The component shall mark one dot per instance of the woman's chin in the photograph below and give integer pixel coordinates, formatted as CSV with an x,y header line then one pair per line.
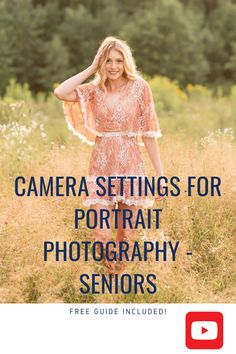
x,y
113,77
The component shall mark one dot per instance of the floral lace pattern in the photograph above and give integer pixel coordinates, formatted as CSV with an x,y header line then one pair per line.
x,y
115,133
133,115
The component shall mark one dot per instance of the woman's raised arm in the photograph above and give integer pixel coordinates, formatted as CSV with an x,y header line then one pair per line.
x,y
66,90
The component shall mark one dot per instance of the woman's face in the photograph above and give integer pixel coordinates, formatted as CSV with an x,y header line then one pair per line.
x,y
114,65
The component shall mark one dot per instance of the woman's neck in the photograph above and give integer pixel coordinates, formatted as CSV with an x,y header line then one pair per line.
x,y
115,85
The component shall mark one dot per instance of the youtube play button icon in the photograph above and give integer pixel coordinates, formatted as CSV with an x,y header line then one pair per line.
x,y
204,330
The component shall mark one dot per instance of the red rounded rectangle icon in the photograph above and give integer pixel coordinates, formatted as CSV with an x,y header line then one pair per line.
x,y
204,330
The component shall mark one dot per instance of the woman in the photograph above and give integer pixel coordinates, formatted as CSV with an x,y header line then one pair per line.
x,y
114,112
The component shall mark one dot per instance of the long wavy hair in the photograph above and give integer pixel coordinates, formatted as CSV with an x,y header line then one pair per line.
x,y
130,69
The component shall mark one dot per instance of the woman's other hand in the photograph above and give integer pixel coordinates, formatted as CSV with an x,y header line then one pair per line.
x,y
163,191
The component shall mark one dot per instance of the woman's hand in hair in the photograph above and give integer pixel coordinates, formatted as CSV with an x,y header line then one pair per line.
x,y
95,62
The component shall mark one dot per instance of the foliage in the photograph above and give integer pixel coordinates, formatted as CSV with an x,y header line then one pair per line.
x,y
169,97
16,91
220,46
167,42
198,92
191,41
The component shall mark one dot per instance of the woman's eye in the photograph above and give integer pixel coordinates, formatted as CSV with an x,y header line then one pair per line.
x,y
118,60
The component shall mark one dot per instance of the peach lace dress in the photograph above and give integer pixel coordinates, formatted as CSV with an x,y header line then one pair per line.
x,y
115,133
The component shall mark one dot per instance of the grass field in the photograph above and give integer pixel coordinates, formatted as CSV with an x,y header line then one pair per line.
x,y
198,139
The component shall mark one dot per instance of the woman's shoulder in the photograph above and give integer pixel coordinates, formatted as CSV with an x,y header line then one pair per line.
x,y
139,80
140,83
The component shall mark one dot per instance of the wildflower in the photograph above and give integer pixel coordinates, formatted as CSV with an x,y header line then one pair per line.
x,y
213,137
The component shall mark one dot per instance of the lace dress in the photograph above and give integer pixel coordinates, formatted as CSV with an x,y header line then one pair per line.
x,y
115,133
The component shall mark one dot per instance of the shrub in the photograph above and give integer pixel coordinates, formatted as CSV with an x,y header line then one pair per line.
x,y
167,94
198,92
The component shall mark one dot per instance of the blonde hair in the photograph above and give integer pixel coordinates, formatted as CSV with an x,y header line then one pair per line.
x,y
130,70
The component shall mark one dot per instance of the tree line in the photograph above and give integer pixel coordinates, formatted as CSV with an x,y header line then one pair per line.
x,y
192,41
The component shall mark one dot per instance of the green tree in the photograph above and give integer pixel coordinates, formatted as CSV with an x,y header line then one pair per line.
x,y
167,41
220,46
24,29
230,66
5,57
77,32
56,63
83,32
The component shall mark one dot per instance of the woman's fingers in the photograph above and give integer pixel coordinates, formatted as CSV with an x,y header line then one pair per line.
x,y
160,198
162,191
96,60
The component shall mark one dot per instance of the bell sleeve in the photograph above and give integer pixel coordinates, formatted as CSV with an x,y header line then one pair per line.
x,y
79,114
148,124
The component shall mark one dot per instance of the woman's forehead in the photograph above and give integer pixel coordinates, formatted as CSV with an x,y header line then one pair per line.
x,y
115,54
